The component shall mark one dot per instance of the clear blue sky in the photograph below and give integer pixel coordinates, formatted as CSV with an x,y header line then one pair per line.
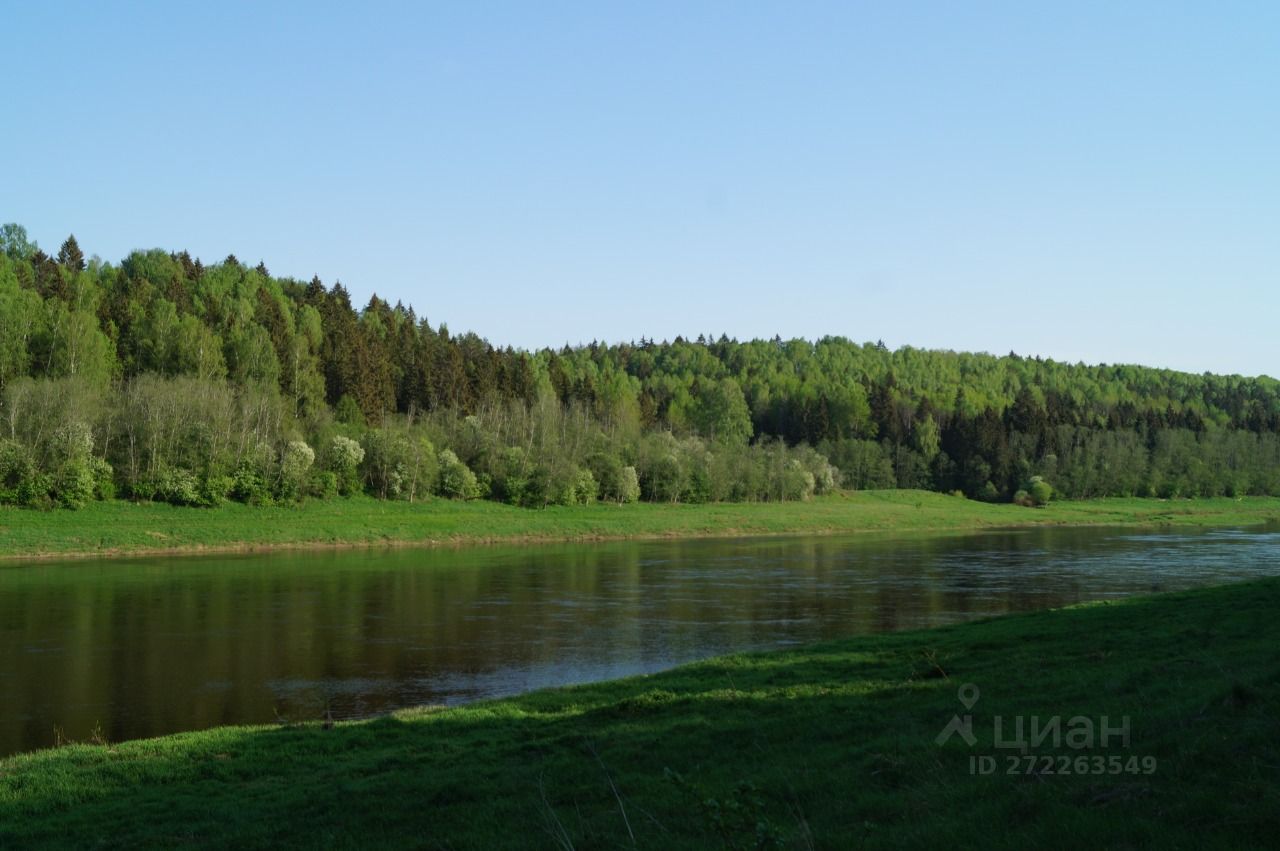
x,y
1095,181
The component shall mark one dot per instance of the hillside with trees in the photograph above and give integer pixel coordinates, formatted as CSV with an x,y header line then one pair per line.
x,y
162,378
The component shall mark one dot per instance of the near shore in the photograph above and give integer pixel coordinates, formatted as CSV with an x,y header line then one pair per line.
x,y
829,746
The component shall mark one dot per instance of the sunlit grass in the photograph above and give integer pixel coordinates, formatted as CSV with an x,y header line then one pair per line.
x,y
830,746
123,527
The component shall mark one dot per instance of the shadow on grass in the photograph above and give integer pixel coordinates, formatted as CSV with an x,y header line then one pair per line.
x,y
829,746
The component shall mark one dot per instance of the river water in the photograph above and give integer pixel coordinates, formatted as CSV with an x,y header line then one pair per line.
x,y
129,648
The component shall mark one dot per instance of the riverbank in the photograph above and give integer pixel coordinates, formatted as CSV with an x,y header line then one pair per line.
x,y
124,528
832,745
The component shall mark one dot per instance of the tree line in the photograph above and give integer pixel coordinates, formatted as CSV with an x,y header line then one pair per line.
x,y
162,378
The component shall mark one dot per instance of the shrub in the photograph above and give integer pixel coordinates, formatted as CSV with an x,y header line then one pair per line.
x,y
511,472
537,488
249,486
582,488
214,489
796,482
143,490
34,490
662,479
456,479
15,467
629,486
697,484
104,484
606,469
178,487
322,484
295,461
1041,491
343,460
73,486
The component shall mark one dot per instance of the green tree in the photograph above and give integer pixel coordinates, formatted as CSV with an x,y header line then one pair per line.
x,y
70,257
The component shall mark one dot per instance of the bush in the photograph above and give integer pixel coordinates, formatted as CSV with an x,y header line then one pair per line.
x,y
1041,491
143,490
662,478
510,479
456,479
583,488
74,484
104,483
343,460
322,484
295,461
537,488
214,489
629,487
249,486
697,484
606,469
796,482
34,491
177,486
1022,498
15,467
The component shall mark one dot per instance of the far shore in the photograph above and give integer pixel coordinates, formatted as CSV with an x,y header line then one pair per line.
x,y
121,529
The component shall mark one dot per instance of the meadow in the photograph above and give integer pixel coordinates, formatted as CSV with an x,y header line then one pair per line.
x,y
117,527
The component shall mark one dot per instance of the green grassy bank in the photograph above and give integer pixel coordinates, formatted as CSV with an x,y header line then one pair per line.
x,y
830,746
119,527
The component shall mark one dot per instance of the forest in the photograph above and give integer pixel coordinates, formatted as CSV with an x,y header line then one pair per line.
x,y
162,378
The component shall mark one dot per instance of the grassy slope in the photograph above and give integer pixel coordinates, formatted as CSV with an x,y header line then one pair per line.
x,y
115,527
826,746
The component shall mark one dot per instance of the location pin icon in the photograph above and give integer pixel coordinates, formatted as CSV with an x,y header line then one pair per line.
x,y
968,695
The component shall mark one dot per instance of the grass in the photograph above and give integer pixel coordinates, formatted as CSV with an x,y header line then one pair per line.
x,y
829,746
118,527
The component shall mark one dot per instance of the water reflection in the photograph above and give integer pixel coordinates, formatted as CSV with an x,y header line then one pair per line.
x,y
148,647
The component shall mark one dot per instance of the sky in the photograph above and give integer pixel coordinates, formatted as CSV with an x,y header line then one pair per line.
x,y
1087,181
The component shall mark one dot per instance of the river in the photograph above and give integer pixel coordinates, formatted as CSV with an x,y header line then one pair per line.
x,y
127,648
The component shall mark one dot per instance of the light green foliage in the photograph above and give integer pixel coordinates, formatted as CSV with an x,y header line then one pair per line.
x,y
187,366
628,486
252,480
583,489
14,243
16,467
181,487
926,438
343,459
251,357
720,412
510,474
863,464
122,527
348,412
295,462
399,462
72,345
456,480
1040,491
21,316
662,475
